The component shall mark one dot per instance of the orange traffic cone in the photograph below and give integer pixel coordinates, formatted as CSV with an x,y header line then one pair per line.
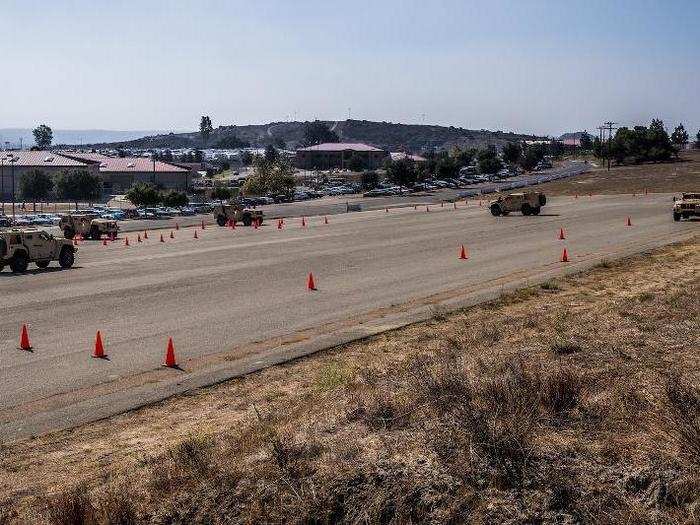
x,y
279,224
126,241
104,242
415,207
195,235
202,224
170,361
454,205
303,222
325,220
255,224
565,256
311,284
427,209
629,221
172,235
480,204
442,204
561,234
576,196
161,238
138,237
463,253
386,210
145,234
24,343
99,351
177,226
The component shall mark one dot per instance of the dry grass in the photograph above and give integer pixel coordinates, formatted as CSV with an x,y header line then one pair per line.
x,y
577,401
672,177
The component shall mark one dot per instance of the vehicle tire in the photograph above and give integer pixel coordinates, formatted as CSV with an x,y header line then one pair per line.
x,y
526,209
43,264
535,211
221,220
69,233
2,267
495,210
543,199
247,219
66,258
95,233
686,216
260,221
19,262
3,247
676,217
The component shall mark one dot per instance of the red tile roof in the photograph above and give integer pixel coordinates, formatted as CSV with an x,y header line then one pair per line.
x,y
39,159
127,164
341,146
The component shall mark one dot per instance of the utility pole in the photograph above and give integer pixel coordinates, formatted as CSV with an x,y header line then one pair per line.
x,y
609,127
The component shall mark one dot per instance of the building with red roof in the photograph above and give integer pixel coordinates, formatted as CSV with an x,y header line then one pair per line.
x,y
338,155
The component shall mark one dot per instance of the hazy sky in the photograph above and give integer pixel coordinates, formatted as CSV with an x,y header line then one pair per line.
x,y
536,66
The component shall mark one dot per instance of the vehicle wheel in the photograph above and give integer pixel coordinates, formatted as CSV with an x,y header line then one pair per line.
x,y
247,219
2,267
686,216
260,221
543,199
221,220
535,211
95,233
676,217
3,247
69,233
526,209
495,210
67,257
42,264
19,263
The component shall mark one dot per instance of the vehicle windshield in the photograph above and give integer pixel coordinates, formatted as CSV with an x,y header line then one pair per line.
x,y
689,196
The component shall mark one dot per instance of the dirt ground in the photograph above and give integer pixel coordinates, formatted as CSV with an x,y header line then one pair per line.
x,y
683,175
574,401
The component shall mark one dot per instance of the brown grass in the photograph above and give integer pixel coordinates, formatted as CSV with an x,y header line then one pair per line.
x,y
578,401
672,177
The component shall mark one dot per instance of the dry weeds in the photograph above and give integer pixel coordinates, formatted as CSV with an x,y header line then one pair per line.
x,y
577,401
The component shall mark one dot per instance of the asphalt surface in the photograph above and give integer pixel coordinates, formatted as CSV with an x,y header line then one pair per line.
x,y
236,300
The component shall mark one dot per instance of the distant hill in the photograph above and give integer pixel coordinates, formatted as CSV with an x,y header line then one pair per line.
x,y
386,135
15,136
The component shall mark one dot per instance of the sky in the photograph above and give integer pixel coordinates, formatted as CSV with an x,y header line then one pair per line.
x,y
542,67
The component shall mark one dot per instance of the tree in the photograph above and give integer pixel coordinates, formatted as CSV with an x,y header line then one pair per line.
x,y
270,177
43,136
531,156
35,185
175,199
585,142
271,153
356,163
679,137
462,157
402,172
555,148
145,195
512,152
318,132
370,180
697,140
489,161
446,167
231,142
78,185
205,129
221,193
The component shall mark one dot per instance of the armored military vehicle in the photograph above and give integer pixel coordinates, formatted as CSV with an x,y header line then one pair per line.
x,y
223,213
687,206
528,203
87,225
21,246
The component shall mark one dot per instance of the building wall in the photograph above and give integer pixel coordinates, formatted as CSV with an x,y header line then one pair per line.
x,y
6,176
324,160
115,183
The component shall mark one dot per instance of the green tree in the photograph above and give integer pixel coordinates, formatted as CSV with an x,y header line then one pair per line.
x,y
356,163
679,137
35,185
446,167
370,180
43,136
221,193
175,199
512,152
555,148
586,143
402,172
270,177
488,160
143,194
318,132
78,185
531,156
205,129
462,157
271,153
697,140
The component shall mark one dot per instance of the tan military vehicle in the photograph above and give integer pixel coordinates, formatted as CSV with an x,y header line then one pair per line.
x,y
87,225
223,213
528,203
688,206
20,246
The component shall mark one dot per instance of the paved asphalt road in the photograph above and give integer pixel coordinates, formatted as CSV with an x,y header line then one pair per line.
x,y
239,296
